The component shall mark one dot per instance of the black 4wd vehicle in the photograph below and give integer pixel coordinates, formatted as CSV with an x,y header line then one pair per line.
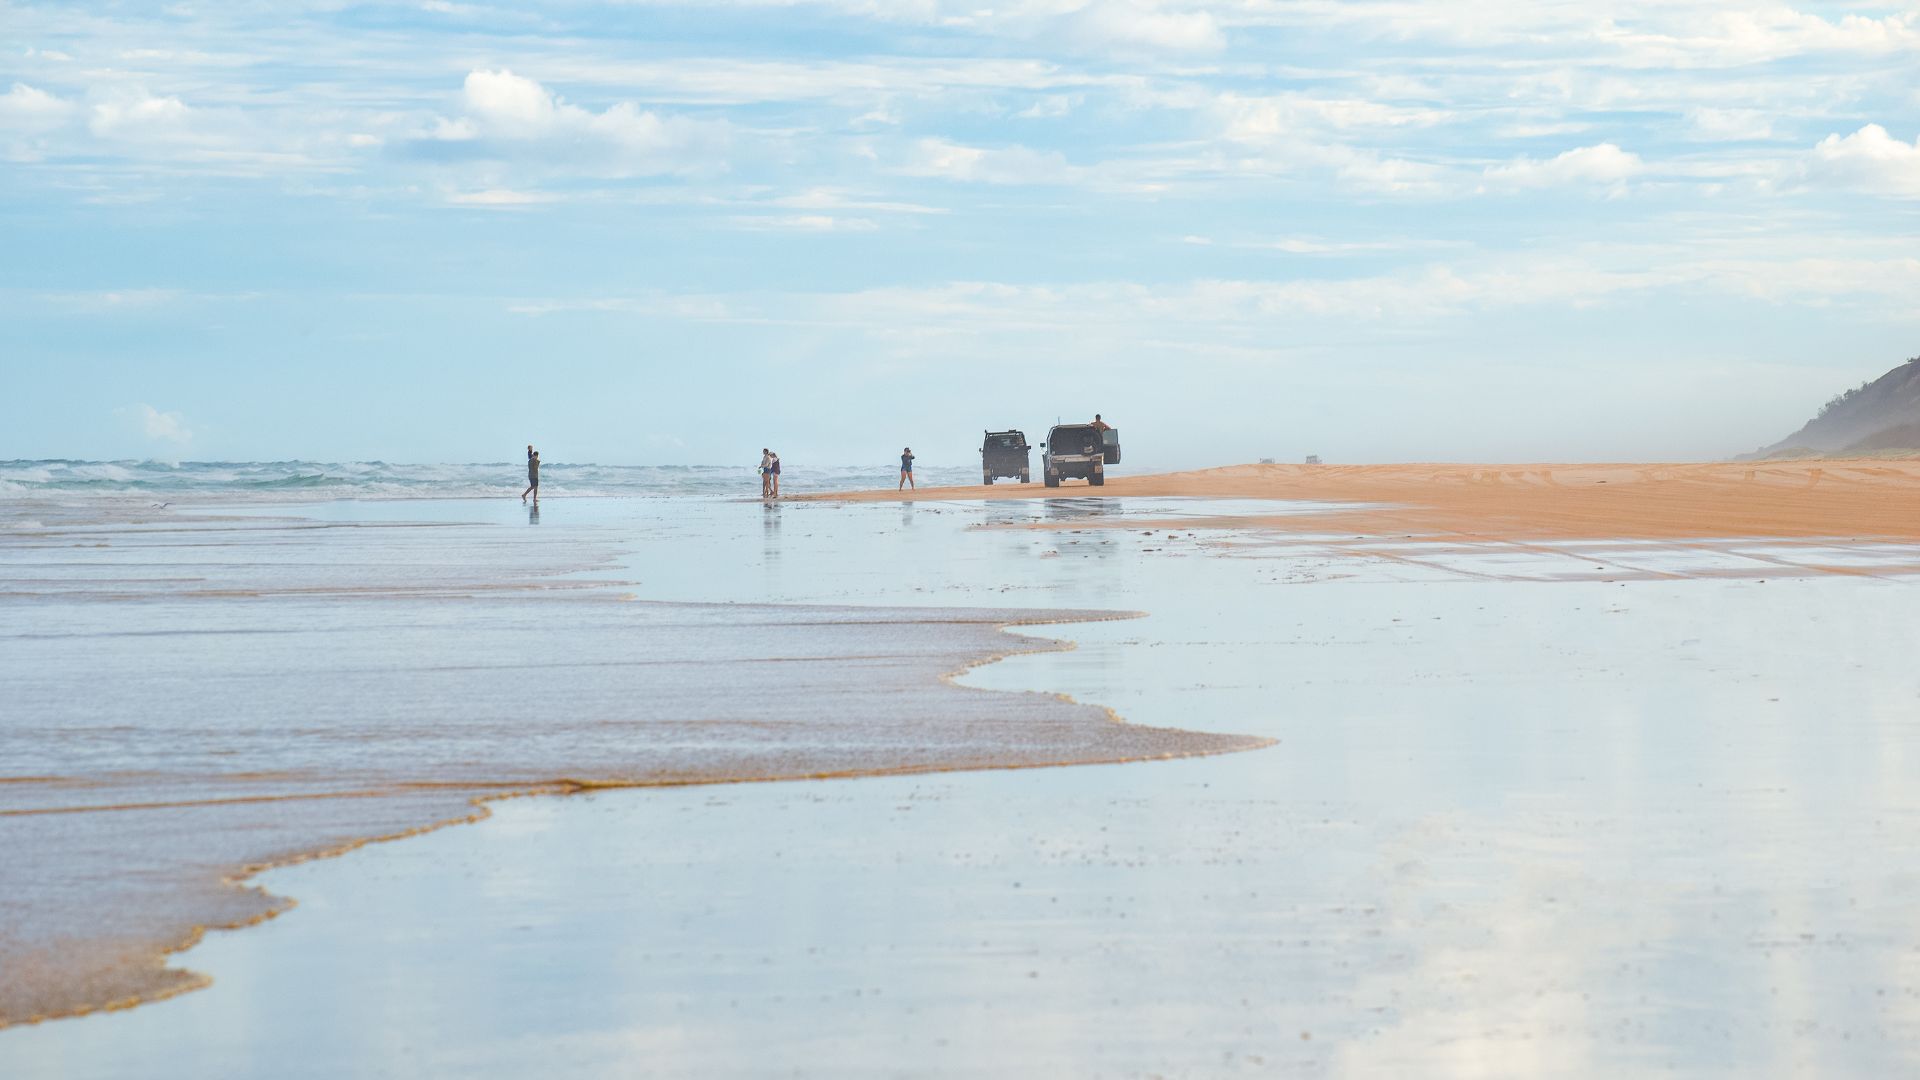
x,y
1080,451
1004,453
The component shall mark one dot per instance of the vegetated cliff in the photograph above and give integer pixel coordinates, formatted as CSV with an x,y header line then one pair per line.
x,y
1875,417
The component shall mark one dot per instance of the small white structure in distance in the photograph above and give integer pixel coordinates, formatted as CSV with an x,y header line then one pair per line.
x,y
1313,459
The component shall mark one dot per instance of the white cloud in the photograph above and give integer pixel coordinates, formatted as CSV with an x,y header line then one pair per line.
x,y
1633,33
114,122
510,116
1049,106
1293,245
830,199
1642,33
882,115
1815,281
1129,24
1005,165
154,424
1252,119
1357,168
804,223
510,105
27,109
139,117
1230,305
1871,159
1303,134
872,85
1737,125
1372,171
1600,164
1757,35
497,198
1812,274
1541,129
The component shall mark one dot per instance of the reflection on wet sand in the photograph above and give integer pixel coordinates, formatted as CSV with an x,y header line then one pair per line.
x,y
1516,825
1080,508
339,684
770,526
1543,804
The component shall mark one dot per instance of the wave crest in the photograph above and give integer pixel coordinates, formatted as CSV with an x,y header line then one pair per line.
x,y
306,480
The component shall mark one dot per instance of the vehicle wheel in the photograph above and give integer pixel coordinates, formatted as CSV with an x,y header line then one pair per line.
x,y
1024,477
1097,479
1051,480
989,480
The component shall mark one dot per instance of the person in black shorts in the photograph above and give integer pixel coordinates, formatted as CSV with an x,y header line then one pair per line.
x,y
906,469
533,475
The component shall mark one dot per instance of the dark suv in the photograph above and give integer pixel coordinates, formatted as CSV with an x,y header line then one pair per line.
x,y
1079,451
1005,453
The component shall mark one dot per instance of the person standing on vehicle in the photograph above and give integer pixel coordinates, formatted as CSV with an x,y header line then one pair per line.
x,y
1100,425
906,469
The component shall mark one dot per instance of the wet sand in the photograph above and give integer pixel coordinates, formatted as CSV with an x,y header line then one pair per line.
x,y
1527,814
1864,499
194,698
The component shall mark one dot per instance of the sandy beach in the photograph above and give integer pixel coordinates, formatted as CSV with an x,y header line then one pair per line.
x,y
525,546
1535,780
1863,499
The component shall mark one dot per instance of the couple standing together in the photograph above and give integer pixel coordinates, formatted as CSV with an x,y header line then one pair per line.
x,y
769,474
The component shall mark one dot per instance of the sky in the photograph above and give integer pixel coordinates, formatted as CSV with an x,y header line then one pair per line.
x,y
661,233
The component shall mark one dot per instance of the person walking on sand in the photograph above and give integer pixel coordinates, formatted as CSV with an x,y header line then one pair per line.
x,y
906,469
766,472
533,475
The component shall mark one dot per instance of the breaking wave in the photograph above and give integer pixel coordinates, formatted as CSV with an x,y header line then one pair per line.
x,y
305,481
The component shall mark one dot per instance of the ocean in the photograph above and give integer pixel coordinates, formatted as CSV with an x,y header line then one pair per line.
x,y
209,668
305,481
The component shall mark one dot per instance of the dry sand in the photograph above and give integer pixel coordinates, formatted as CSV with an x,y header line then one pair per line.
x,y
1862,499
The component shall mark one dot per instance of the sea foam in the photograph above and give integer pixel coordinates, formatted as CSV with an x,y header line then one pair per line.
x,y
304,481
